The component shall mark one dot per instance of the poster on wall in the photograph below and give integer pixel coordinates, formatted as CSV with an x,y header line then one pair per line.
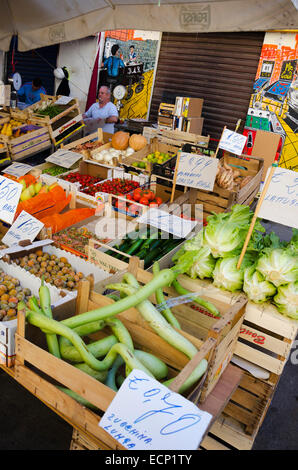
x,y
274,101
129,59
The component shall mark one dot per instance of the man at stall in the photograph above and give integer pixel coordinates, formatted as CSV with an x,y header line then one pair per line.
x,y
30,92
103,114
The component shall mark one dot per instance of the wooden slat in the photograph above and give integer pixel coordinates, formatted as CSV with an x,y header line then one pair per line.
x,y
210,443
265,340
231,432
261,359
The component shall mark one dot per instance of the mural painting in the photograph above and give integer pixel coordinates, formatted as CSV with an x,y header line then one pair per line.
x,y
136,57
274,102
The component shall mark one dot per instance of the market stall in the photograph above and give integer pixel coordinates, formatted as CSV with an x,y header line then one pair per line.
x,y
120,256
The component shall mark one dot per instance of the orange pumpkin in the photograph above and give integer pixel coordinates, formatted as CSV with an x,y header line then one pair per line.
x,y
137,142
120,140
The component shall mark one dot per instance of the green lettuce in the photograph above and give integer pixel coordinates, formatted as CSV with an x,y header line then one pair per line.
x,y
278,266
286,300
256,287
227,276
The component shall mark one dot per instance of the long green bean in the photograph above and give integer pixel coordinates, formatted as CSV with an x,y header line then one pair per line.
x,y
160,299
198,300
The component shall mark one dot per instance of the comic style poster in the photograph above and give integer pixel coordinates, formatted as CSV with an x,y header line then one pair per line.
x,y
138,53
274,101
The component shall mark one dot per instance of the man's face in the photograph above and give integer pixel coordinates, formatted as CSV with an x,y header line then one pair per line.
x,y
103,96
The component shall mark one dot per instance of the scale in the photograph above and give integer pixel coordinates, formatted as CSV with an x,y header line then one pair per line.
x,y
16,82
119,93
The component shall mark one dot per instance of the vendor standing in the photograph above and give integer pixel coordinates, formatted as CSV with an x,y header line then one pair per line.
x,y
30,92
103,114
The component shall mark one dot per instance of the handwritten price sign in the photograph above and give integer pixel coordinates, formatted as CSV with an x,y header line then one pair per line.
x,y
167,222
232,142
146,415
65,158
196,171
25,227
280,204
10,193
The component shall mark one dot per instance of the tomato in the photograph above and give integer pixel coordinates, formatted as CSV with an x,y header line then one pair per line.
x,y
144,201
148,194
130,197
136,195
158,200
153,204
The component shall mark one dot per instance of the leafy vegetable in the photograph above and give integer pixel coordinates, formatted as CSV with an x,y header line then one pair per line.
x,y
227,276
278,266
286,300
256,287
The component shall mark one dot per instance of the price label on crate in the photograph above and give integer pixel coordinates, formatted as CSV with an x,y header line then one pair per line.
x,y
25,227
18,169
63,100
146,415
232,142
65,158
196,171
280,203
10,192
167,222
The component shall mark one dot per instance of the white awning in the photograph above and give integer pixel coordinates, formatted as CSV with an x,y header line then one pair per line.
x,y
41,23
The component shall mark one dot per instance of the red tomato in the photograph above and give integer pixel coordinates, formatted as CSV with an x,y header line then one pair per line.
x,y
153,204
158,200
136,195
148,194
144,201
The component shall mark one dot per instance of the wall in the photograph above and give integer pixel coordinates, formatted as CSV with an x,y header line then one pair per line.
x,y
78,56
274,101
136,103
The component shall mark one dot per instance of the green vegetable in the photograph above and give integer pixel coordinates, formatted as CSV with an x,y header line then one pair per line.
x,y
45,303
286,300
227,276
77,397
160,299
193,378
195,264
278,266
202,302
256,287
163,278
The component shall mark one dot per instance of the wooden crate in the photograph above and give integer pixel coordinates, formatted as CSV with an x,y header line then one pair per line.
x,y
34,141
249,403
48,370
62,126
266,338
4,153
198,322
99,135
176,137
221,200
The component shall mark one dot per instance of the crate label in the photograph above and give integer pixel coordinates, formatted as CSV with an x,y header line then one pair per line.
x,y
63,100
25,227
280,203
167,222
10,192
64,158
232,142
18,169
196,171
146,415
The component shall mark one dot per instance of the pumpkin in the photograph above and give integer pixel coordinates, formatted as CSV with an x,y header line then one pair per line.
x,y
137,142
120,140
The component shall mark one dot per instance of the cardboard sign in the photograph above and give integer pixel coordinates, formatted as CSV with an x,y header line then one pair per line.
x,y
146,415
25,227
167,222
280,203
65,158
196,171
63,99
18,169
232,142
10,192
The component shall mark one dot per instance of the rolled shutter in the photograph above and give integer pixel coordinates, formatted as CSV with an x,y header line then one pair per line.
x,y
218,67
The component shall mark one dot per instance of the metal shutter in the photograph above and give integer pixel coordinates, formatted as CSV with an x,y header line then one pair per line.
x,y
39,62
218,67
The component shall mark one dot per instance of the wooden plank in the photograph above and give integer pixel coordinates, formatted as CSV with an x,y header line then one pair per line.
x,y
261,359
210,443
232,433
265,340
70,410
71,377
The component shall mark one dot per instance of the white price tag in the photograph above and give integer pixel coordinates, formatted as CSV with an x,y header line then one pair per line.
x,y
64,158
18,169
167,222
63,100
196,171
10,193
25,227
232,142
146,415
280,203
